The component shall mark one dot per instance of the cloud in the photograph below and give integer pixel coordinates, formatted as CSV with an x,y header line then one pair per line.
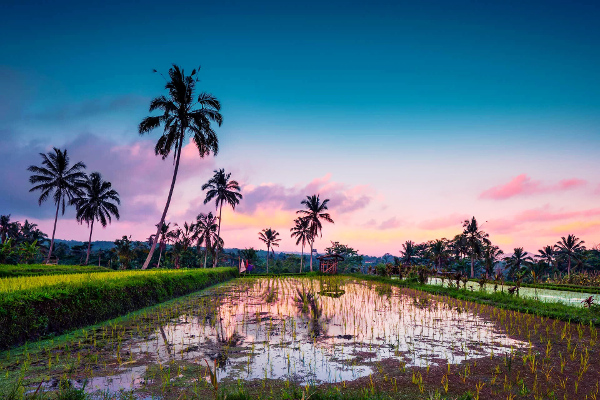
x,y
342,197
391,223
452,220
523,185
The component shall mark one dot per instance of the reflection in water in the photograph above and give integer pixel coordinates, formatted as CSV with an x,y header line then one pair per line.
x,y
304,336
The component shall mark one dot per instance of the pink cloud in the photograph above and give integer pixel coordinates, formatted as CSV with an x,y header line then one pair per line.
x,y
391,223
523,185
453,220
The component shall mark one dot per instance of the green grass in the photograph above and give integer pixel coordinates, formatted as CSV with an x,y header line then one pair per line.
x,y
9,271
552,286
41,311
554,310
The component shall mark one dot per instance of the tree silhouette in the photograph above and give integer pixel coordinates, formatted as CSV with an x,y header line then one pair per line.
x,y
178,119
98,202
314,213
302,233
206,232
476,239
223,190
271,238
569,247
55,177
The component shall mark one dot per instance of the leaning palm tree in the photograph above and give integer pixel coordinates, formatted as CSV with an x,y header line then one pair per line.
x,y
179,118
206,232
271,239
98,202
314,213
569,247
302,233
223,190
55,177
476,239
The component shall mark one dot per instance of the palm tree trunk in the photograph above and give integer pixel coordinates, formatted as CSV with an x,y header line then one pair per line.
x,y
301,257
267,259
164,214
472,267
205,253
311,251
219,236
53,231
159,256
569,266
87,258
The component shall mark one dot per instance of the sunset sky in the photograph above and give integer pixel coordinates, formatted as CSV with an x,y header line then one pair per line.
x,y
410,118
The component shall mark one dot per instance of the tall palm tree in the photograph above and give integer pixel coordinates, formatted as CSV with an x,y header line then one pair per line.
x,y
179,118
491,255
271,239
223,190
476,239
519,260
570,247
206,232
97,202
55,177
302,233
314,213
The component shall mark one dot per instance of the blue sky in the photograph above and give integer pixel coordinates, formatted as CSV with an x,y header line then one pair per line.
x,y
417,101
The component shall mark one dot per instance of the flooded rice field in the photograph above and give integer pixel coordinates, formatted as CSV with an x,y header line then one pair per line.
x,y
546,295
299,330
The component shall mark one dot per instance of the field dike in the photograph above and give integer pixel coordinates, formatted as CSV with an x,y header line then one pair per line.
x,y
66,304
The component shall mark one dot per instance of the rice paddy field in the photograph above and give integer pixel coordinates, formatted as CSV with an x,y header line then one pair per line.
x,y
313,337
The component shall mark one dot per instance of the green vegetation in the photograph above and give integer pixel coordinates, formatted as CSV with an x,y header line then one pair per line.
x,y
9,271
73,301
502,300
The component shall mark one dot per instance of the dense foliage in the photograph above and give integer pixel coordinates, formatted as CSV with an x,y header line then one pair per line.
x,y
41,311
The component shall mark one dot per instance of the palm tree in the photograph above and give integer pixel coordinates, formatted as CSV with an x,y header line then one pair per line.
x,y
547,254
314,213
179,118
206,232
270,238
224,191
301,231
5,227
439,252
475,239
519,260
569,247
57,178
491,255
164,233
408,252
98,202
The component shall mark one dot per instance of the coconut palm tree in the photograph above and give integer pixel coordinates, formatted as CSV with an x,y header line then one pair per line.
x,y
97,202
271,239
182,114
439,252
302,233
547,254
476,240
518,261
164,233
491,255
206,232
569,247
223,190
408,252
314,213
55,177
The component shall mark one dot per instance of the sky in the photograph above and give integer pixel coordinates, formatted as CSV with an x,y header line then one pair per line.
x,y
410,117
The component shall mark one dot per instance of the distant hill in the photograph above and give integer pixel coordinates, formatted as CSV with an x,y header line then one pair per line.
x,y
96,245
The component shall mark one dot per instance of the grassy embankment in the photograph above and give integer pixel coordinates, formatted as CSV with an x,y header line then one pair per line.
x,y
35,307
9,271
555,310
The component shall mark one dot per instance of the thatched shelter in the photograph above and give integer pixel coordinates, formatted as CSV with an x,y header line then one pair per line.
x,y
328,263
